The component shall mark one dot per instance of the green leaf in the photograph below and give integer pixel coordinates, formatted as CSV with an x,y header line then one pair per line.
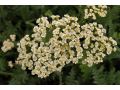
x,y
19,77
3,64
48,13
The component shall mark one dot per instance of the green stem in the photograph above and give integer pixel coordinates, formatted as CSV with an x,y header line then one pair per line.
x,y
60,78
5,73
29,23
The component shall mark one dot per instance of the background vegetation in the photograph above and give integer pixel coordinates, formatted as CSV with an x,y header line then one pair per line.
x,y
20,20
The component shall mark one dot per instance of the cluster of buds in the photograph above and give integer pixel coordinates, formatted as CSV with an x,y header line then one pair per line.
x,y
8,44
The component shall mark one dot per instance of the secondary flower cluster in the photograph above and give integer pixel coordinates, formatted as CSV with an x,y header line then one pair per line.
x,y
96,45
91,11
8,44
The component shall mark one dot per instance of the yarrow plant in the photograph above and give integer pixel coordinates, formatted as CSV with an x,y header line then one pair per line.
x,y
60,41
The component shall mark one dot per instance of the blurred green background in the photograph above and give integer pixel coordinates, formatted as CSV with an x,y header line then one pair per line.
x,y
20,20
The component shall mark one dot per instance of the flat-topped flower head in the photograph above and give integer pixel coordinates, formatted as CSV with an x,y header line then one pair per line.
x,y
61,41
45,57
57,41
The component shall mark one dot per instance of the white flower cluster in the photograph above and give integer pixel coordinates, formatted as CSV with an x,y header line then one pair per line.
x,y
96,45
66,42
8,44
44,58
92,10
